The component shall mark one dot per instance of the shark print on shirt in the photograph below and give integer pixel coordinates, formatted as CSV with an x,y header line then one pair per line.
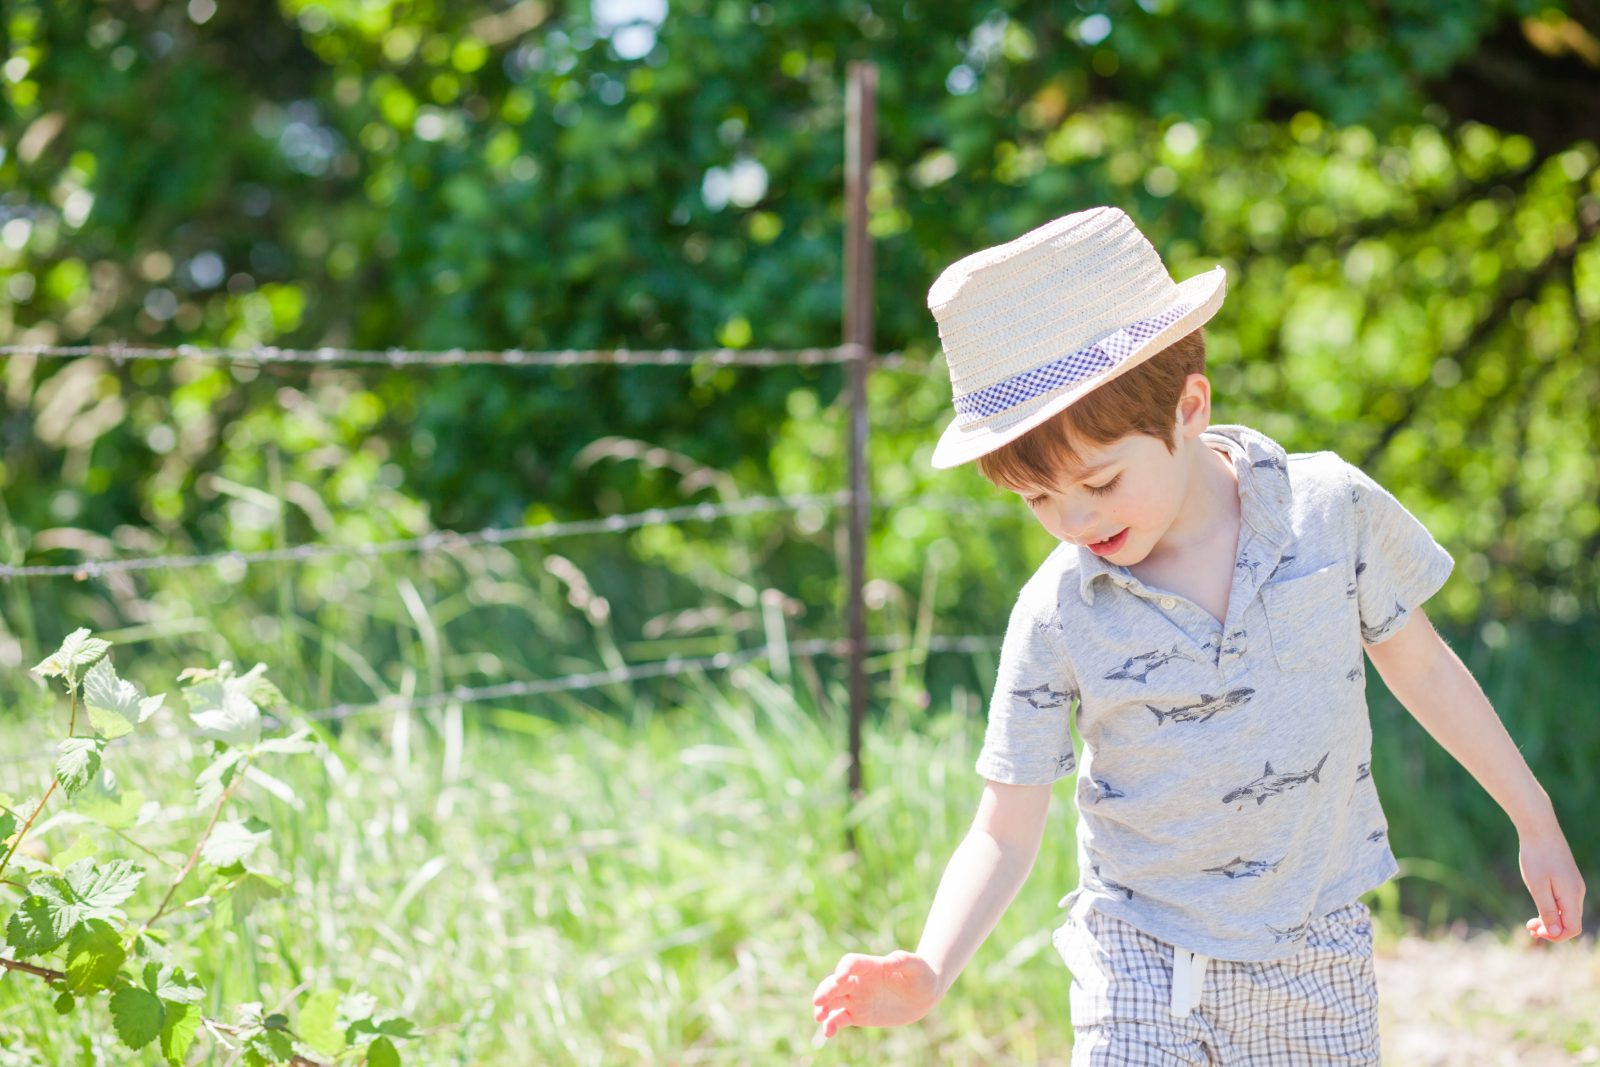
x,y
1138,668
1272,784
1066,763
1042,696
1354,674
1248,565
1109,884
1370,632
1363,771
1207,707
1239,867
1282,563
1350,590
1271,463
1293,933
1106,791
1376,835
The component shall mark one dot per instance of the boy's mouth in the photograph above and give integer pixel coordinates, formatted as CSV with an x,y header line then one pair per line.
x,y
1109,545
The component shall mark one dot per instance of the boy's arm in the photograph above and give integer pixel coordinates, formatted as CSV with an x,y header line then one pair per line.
x,y
979,883
983,876
1427,677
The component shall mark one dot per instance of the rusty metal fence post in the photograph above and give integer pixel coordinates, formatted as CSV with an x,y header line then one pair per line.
x,y
860,137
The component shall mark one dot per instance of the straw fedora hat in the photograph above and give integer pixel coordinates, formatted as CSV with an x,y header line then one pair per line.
x,y
1030,326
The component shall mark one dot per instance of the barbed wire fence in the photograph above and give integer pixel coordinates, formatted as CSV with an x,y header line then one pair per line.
x,y
855,353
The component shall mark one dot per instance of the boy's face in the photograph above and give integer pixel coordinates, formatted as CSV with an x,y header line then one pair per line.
x,y
1129,493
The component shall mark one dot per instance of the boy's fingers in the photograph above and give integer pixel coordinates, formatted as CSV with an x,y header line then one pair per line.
x,y
836,1022
1549,911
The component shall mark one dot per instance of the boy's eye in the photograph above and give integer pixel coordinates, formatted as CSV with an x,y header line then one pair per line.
x,y
1099,489
1033,501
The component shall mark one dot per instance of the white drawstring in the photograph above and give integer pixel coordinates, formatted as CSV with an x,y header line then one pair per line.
x,y
1188,980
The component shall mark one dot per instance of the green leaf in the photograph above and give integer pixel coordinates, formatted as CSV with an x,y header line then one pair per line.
x,y
94,954
319,1022
137,1015
37,926
171,984
216,777
65,1003
232,841
108,806
299,742
8,826
241,900
398,1026
83,847
383,1054
100,889
116,706
78,651
178,1030
273,1046
78,762
258,689
224,707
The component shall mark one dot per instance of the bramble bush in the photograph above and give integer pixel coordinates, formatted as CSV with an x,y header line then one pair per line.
x,y
70,914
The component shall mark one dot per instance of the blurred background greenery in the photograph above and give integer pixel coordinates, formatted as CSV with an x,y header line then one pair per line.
x,y
1407,198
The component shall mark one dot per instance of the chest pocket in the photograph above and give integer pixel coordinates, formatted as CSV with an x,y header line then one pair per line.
x,y
1305,617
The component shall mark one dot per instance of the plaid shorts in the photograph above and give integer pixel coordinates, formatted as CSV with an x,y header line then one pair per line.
x,y
1140,1001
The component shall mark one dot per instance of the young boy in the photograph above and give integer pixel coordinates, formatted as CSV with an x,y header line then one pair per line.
x,y
1203,620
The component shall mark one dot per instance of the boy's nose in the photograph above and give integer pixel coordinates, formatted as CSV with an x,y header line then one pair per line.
x,y
1079,524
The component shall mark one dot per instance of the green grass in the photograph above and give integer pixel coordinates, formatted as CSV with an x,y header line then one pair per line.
x,y
665,890
655,873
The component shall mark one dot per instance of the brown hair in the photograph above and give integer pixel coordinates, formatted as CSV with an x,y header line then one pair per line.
x,y
1142,400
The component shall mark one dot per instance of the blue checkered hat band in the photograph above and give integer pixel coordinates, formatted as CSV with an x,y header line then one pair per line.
x,y
1071,369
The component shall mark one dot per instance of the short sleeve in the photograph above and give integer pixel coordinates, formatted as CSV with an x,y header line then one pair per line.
x,y
1028,740
1398,563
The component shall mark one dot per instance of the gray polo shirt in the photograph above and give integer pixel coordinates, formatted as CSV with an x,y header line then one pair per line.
x,y
1226,797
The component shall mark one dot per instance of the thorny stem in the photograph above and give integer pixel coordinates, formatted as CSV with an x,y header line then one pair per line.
x,y
194,857
24,831
43,972
73,722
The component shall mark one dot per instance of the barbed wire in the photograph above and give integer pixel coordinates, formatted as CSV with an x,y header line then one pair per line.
x,y
447,540
672,666
438,540
120,352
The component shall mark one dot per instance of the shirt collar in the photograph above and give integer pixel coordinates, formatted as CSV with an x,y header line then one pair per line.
x,y
1264,497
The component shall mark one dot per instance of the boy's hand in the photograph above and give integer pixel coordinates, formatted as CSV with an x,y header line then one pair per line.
x,y
1551,875
887,990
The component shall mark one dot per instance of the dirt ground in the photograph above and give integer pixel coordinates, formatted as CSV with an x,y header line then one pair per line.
x,y
1476,999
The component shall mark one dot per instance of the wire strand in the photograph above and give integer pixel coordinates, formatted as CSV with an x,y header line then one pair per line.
x,y
438,540
448,540
120,352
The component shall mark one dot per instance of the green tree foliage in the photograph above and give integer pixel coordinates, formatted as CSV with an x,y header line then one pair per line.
x,y
1405,195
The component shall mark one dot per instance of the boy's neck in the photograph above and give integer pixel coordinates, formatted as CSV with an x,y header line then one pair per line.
x,y
1210,511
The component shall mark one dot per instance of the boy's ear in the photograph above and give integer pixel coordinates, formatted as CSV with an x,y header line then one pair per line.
x,y
1194,405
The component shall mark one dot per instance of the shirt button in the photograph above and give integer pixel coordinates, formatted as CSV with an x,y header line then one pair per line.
x,y
1168,603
